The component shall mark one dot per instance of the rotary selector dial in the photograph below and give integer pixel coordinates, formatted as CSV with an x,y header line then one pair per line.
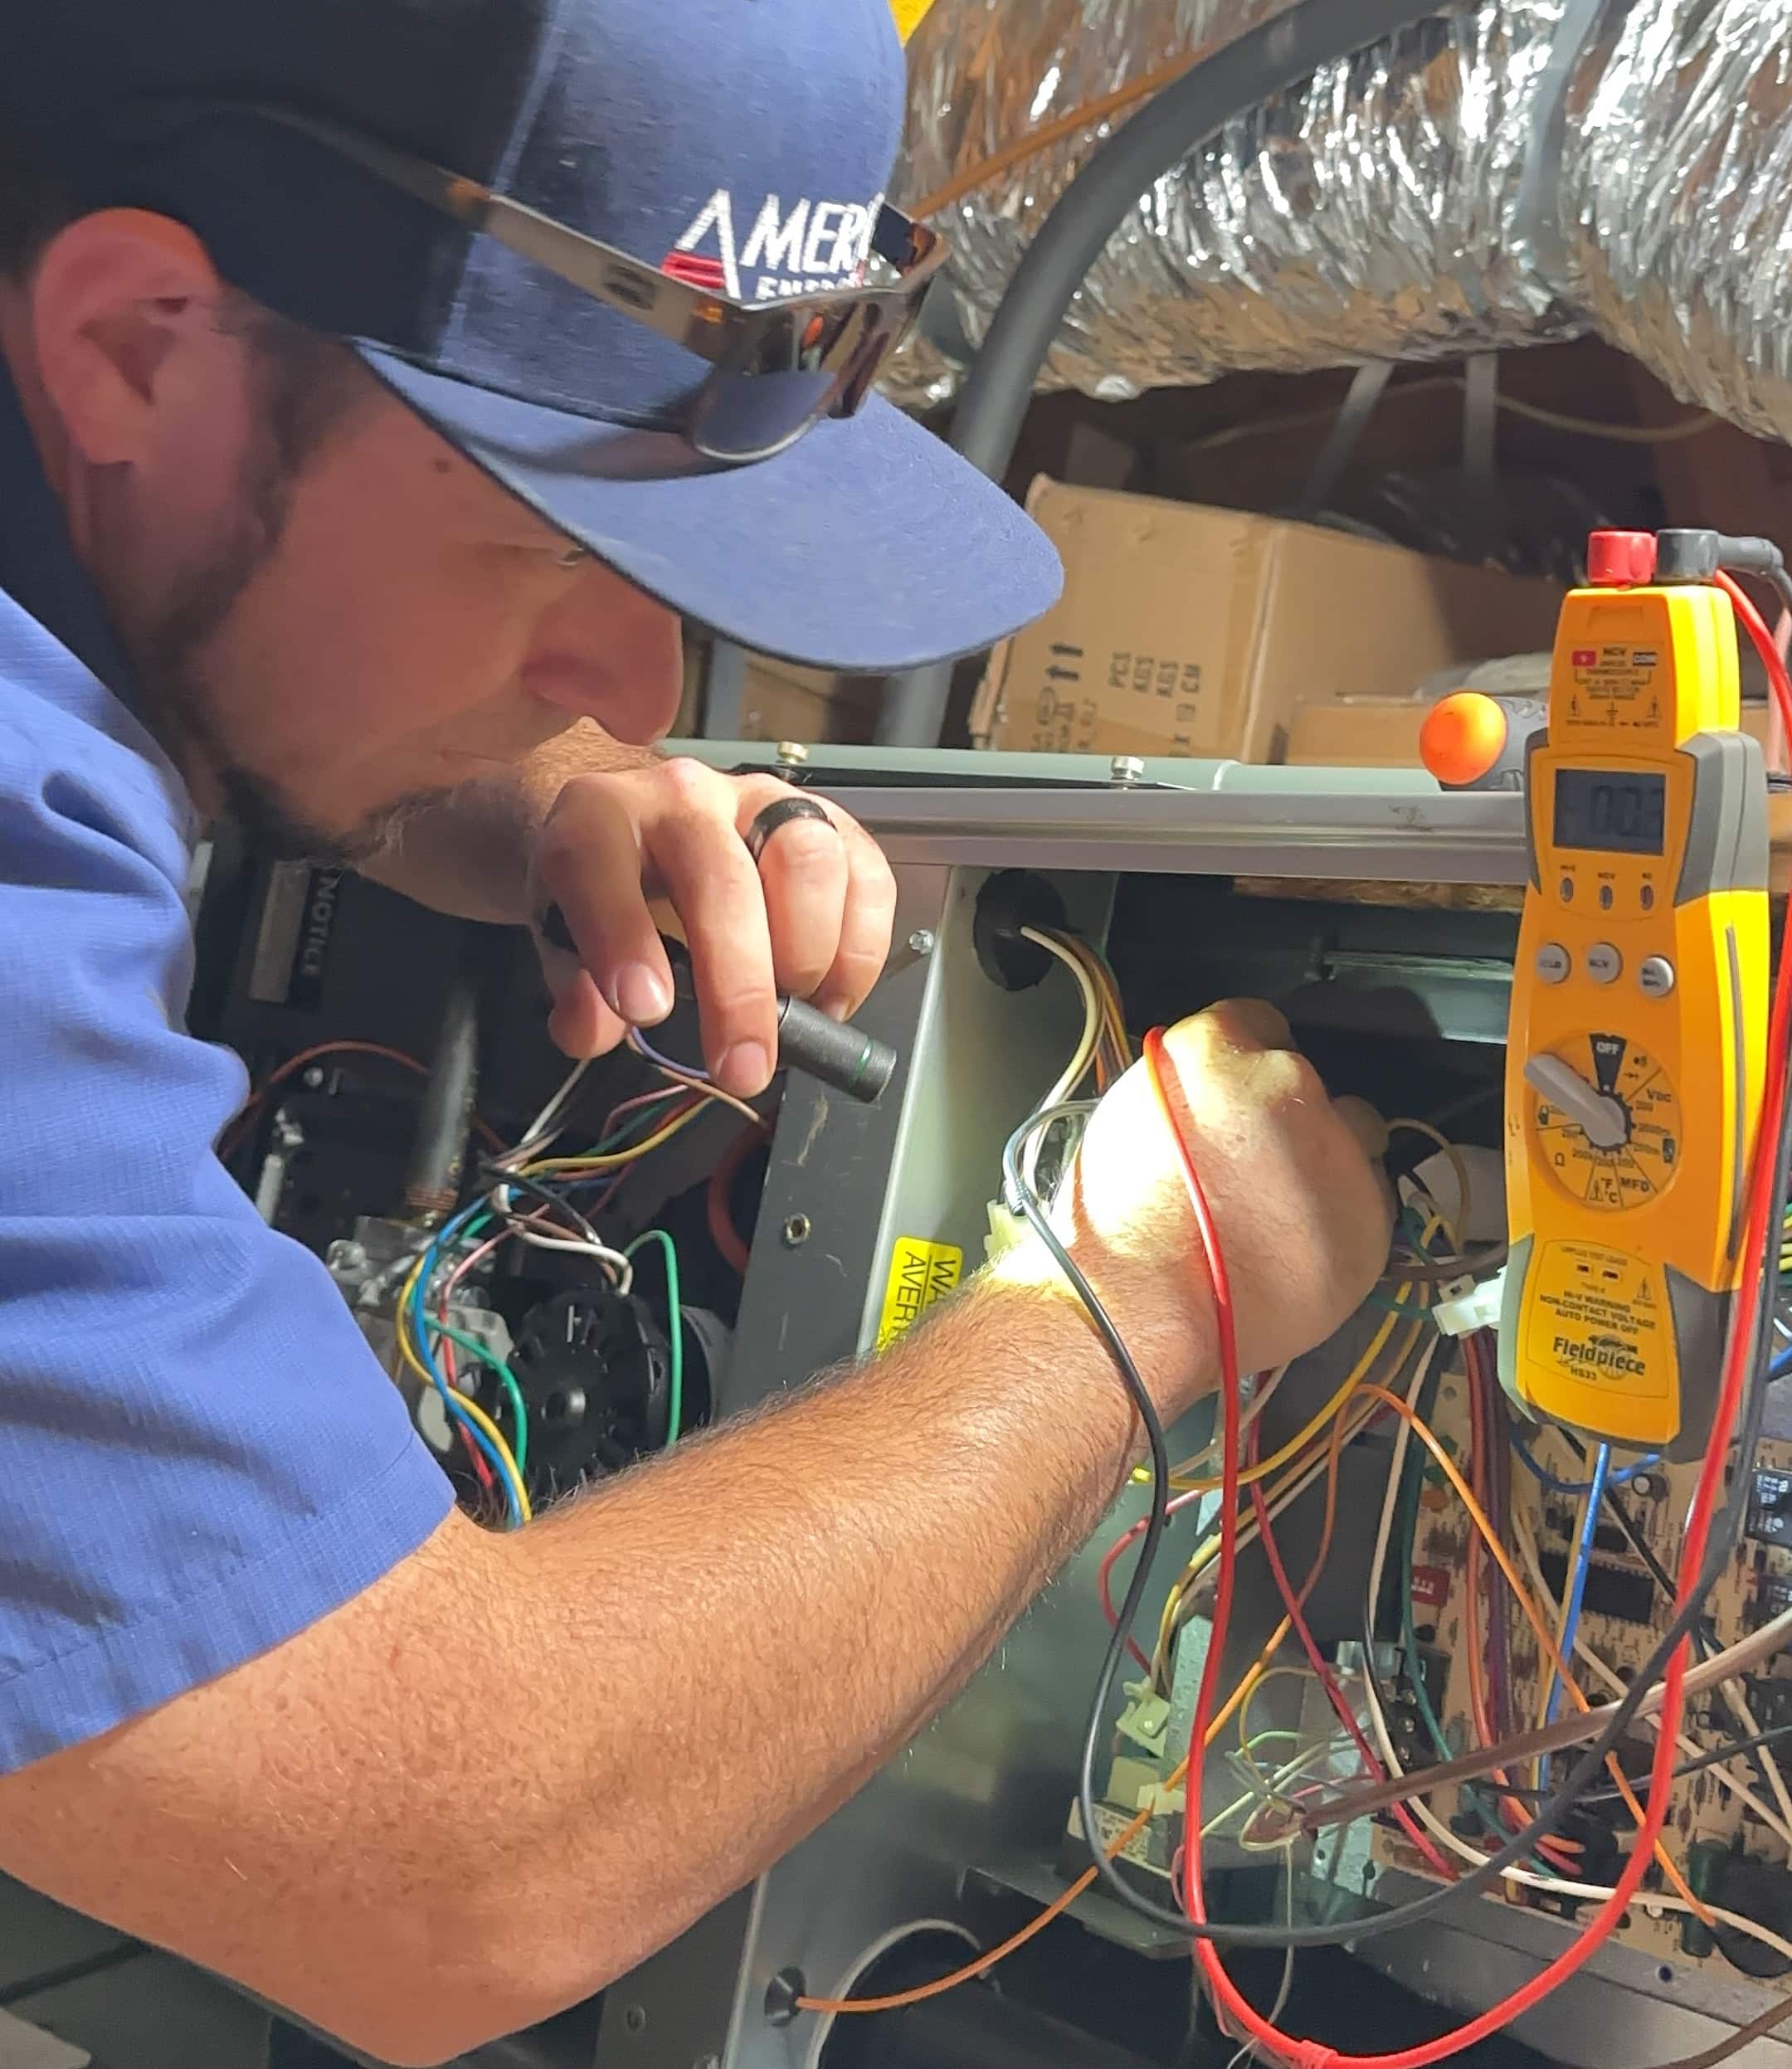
x,y
1606,1120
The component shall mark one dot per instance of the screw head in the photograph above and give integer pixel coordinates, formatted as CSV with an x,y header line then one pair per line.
x,y
313,1079
921,941
797,1231
791,754
1125,770
635,2017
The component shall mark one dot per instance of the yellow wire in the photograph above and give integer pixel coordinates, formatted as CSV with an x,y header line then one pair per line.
x,y
471,1409
1296,1444
1463,1189
618,1159
1304,1475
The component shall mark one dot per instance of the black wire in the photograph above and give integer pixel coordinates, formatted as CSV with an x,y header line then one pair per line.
x,y
1730,1750
1725,1534
1705,1637
516,1182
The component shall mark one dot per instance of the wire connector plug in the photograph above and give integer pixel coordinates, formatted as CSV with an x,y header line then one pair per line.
x,y
1479,1308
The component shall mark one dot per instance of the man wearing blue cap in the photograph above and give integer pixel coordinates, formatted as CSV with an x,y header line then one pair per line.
x,y
380,380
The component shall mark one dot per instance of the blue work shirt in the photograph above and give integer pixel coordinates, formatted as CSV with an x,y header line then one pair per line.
x,y
200,1457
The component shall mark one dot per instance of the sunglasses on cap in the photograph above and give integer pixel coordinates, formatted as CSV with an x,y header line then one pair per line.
x,y
777,368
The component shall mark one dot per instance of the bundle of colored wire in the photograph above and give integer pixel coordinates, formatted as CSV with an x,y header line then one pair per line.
x,y
1748,1337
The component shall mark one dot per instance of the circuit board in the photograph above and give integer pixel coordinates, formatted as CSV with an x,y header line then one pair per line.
x,y
1729,1854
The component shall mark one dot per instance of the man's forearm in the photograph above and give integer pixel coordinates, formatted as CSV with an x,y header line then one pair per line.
x,y
468,854
768,1619
518,1765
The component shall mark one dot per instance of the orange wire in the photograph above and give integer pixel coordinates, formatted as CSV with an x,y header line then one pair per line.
x,y
1550,1650
1059,1905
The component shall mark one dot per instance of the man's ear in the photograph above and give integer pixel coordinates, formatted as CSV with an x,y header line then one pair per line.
x,y
113,296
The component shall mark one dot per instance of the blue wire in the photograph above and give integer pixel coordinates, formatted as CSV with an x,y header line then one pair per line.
x,y
1780,1366
1577,1581
426,1351
1622,1477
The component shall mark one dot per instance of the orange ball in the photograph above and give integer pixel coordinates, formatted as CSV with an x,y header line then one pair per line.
x,y
1463,737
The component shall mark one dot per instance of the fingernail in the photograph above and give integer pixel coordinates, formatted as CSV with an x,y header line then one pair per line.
x,y
642,996
746,1069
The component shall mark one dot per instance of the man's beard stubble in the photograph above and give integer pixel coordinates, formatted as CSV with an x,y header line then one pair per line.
x,y
179,704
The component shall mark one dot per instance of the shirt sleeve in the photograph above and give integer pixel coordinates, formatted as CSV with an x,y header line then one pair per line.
x,y
200,1456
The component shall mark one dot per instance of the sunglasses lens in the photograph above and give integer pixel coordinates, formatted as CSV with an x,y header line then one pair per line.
x,y
820,365
746,416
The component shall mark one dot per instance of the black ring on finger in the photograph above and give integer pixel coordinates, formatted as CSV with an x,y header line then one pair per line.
x,y
780,813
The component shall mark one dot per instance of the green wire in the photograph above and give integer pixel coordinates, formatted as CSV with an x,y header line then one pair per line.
x,y
506,1380
638,1125
1397,1307
675,1325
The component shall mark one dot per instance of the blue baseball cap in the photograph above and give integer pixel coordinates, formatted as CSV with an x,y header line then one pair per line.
x,y
740,145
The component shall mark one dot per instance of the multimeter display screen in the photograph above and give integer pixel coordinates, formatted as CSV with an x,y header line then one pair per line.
x,y
1612,812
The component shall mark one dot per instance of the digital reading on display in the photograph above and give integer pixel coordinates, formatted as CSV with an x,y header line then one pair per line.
x,y
1611,811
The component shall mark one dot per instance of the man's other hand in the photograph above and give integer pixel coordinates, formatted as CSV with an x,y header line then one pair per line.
x,y
1304,1216
812,919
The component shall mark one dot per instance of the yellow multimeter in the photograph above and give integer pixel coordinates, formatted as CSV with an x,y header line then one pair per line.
x,y
1636,1053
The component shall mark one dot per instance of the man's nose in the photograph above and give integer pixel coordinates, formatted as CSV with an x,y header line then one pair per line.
x,y
608,651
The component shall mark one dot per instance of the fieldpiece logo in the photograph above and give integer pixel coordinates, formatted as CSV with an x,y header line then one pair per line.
x,y
801,250
1602,1353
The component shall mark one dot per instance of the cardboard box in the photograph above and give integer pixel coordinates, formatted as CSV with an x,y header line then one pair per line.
x,y
1188,631
780,701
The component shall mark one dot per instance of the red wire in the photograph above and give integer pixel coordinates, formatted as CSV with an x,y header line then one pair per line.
x,y
1295,1604
1480,1461
1307,2054
1104,1573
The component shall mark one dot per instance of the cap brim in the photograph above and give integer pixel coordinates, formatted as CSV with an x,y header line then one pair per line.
x,y
869,547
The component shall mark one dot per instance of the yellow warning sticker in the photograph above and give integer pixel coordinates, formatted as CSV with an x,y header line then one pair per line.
x,y
909,16
920,1274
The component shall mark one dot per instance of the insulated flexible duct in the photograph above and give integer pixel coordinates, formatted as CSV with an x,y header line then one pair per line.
x,y
1267,60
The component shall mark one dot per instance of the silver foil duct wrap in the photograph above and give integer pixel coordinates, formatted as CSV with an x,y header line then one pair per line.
x,y
1506,173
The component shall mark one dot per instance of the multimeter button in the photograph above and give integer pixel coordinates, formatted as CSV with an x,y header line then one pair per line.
x,y
1648,897
1605,898
1554,963
1603,963
1655,975
1567,890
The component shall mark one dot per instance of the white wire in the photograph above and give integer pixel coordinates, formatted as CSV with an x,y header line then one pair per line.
x,y
1652,1901
1258,1401
1649,1903
1419,1807
1724,1776
620,1270
541,1130
1083,1055
1248,2053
